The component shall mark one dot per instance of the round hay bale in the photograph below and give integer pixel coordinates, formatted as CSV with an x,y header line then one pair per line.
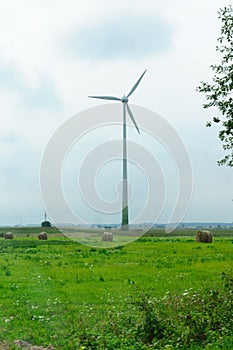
x,y
42,236
8,235
107,237
204,236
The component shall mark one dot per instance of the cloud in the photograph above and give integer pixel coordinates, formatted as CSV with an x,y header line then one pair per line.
x,y
134,37
38,94
44,96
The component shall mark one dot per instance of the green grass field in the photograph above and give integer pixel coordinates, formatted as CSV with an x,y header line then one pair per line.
x,y
151,294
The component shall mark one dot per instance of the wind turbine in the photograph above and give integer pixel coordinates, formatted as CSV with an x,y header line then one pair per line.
x,y
124,100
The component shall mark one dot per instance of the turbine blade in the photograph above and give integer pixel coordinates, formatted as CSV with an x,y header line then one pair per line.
x,y
132,118
111,98
136,85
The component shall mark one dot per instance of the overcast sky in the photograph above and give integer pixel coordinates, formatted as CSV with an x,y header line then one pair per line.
x,y
54,53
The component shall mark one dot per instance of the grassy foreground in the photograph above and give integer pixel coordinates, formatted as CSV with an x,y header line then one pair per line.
x,y
156,293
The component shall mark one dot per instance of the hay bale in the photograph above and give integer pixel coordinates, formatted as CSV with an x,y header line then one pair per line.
x,y
42,236
107,237
204,236
8,235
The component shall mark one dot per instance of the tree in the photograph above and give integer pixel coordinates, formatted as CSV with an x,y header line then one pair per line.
x,y
46,224
219,93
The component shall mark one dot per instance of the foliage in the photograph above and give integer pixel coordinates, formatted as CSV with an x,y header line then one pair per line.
x,y
46,224
219,93
199,318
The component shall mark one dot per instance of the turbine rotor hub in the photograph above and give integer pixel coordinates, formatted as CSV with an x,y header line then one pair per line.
x,y
124,99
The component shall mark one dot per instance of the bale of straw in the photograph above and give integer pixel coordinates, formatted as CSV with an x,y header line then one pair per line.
x,y
107,237
8,235
204,236
42,236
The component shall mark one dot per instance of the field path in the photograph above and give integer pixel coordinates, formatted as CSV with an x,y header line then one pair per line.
x,y
22,344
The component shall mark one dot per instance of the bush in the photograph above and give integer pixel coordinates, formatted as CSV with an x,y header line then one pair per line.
x,y
196,318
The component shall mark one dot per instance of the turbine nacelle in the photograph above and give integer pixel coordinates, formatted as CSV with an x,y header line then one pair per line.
x,y
124,99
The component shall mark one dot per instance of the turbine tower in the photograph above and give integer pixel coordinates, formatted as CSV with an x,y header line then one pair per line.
x,y
124,100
